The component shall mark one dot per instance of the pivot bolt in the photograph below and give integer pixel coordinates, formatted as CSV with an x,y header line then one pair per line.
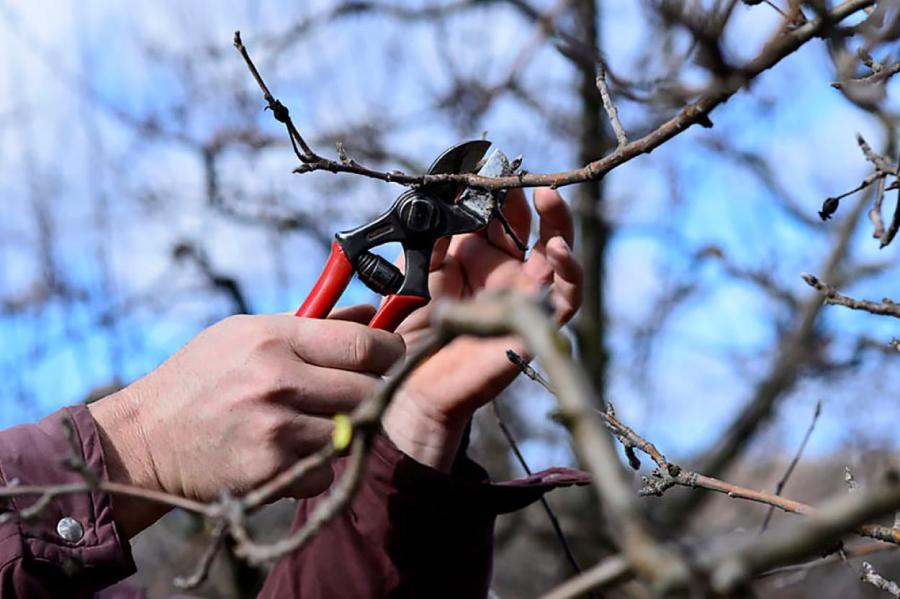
x,y
418,214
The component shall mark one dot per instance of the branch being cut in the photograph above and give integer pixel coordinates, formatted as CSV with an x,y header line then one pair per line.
x,y
697,112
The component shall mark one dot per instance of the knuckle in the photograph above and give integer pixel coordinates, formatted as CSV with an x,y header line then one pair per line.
x,y
265,342
363,348
240,324
312,441
276,376
274,465
270,427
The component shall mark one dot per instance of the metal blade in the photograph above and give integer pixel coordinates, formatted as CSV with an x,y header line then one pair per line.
x,y
480,202
461,158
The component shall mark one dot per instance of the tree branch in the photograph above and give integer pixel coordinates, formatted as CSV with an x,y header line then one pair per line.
x,y
696,112
886,308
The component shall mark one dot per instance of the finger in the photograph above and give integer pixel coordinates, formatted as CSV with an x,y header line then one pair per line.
x,y
538,268
439,253
361,313
319,391
486,264
343,345
518,214
555,217
306,435
562,261
302,436
568,278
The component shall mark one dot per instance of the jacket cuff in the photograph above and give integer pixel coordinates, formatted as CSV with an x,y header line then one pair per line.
x,y
468,487
75,532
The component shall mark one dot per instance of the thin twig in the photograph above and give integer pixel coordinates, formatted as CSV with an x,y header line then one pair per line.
x,y
881,164
551,516
608,572
870,575
875,216
48,492
894,227
528,370
201,570
279,110
507,228
850,552
886,308
609,106
777,9
880,76
790,469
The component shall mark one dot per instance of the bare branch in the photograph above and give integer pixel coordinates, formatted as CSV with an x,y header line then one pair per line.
x,y
823,528
870,575
886,308
796,459
551,515
852,485
608,572
201,571
879,76
510,313
696,112
610,107
881,164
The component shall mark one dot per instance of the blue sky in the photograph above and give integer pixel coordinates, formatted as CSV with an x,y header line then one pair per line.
x,y
126,198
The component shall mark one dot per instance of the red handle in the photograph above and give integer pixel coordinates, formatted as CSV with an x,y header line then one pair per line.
x,y
395,309
331,284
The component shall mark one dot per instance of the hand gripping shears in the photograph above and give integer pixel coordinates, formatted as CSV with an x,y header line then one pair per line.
x,y
417,219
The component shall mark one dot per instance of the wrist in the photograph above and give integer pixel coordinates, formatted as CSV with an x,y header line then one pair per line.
x,y
128,460
426,435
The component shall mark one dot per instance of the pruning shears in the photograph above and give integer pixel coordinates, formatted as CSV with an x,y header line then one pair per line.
x,y
417,219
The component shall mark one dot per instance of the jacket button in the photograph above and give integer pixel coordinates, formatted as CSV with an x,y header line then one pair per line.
x,y
69,529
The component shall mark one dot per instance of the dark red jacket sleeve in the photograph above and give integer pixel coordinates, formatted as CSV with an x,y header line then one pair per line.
x,y
411,531
72,548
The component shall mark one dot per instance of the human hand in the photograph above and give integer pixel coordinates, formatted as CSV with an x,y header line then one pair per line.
x,y
427,418
239,403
